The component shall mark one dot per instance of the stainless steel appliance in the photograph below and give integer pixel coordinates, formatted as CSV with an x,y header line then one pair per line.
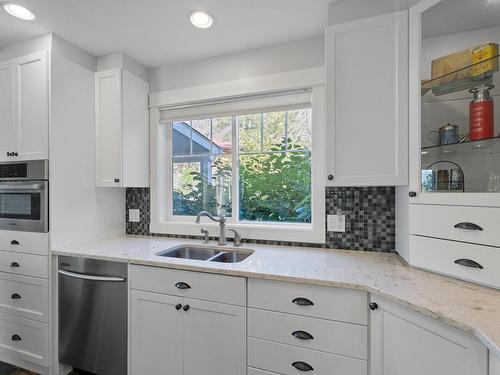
x,y
24,196
93,315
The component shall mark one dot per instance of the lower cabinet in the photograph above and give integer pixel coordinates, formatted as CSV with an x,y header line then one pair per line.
x,y
178,335
405,342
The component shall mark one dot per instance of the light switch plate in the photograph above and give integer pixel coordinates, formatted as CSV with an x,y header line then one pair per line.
x,y
134,215
336,223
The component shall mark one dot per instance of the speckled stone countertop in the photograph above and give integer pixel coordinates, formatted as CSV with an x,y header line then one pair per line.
x,y
469,307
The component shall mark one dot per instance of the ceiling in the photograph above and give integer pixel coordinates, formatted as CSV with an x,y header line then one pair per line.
x,y
158,32
453,16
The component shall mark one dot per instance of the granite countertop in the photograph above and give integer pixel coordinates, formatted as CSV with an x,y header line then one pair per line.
x,y
472,308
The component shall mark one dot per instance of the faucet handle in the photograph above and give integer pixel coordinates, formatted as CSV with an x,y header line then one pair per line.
x,y
237,238
205,236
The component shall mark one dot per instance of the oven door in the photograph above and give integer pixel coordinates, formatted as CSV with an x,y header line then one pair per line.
x,y
24,206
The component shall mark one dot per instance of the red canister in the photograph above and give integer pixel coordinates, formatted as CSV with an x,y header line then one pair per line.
x,y
481,114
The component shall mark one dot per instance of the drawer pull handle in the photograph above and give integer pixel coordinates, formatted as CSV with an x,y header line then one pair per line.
x,y
468,263
301,301
15,296
302,335
14,265
186,307
302,366
182,285
16,338
468,226
14,242
178,306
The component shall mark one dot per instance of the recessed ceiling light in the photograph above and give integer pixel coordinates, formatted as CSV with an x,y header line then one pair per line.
x,y
201,19
18,11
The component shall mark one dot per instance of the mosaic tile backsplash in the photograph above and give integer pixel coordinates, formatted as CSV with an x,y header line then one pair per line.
x,y
370,218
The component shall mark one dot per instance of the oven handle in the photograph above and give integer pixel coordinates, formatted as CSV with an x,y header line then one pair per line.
x,y
91,277
28,187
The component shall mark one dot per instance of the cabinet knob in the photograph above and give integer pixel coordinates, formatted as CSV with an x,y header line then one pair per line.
x,y
15,296
14,154
14,265
16,338
302,366
412,194
182,285
330,177
301,301
8,153
14,242
373,306
186,308
117,180
178,306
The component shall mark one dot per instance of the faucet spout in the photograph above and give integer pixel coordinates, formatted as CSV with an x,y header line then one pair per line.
x,y
222,224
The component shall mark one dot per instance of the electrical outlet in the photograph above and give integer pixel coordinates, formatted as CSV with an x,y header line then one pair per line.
x,y
134,215
336,223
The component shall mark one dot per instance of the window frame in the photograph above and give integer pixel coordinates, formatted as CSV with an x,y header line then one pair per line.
x,y
162,220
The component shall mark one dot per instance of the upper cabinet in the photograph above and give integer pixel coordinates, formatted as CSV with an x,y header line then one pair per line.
x,y
121,129
24,108
455,136
367,91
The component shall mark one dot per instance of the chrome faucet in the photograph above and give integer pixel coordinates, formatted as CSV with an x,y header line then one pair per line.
x,y
222,225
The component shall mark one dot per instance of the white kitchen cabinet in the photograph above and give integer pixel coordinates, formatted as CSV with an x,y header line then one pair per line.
x,y
405,342
182,335
121,129
24,108
494,364
156,333
214,338
367,88
447,216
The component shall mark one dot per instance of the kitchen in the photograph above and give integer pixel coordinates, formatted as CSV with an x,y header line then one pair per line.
x,y
182,192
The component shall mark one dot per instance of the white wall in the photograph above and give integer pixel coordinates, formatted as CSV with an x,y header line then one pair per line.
x,y
284,57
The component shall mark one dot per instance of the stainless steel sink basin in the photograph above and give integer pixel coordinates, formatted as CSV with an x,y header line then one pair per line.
x,y
189,252
212,254
230,257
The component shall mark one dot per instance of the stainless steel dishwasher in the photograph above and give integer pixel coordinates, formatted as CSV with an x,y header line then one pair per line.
x,y
93,315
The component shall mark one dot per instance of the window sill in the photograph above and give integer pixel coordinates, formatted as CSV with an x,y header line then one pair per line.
x,y
268,232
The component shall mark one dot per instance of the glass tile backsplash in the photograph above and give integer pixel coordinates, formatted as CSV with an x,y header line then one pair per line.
x,y
370,218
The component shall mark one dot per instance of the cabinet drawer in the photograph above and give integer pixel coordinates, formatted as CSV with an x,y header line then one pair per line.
x,y
24,339
329,303
474,224
24,296
24,242
24,264
280,358
440,256
312,333
218,288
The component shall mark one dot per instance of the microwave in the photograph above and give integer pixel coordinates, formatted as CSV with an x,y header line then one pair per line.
x,y
24,196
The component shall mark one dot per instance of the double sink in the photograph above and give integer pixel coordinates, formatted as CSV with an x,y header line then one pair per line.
x,y
208,253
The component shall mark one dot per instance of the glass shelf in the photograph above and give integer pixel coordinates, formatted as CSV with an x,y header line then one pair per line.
x,y
466,78
484,146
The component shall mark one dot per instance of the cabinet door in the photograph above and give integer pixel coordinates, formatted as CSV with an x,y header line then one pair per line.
x,y
156,334
214,338
32,107
405,342
367,101
108,128
8,129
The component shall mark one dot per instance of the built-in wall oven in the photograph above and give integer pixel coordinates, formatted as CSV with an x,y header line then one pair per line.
x,y
24,196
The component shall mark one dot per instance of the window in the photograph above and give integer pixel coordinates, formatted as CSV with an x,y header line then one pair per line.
x,y
259,158
264,156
